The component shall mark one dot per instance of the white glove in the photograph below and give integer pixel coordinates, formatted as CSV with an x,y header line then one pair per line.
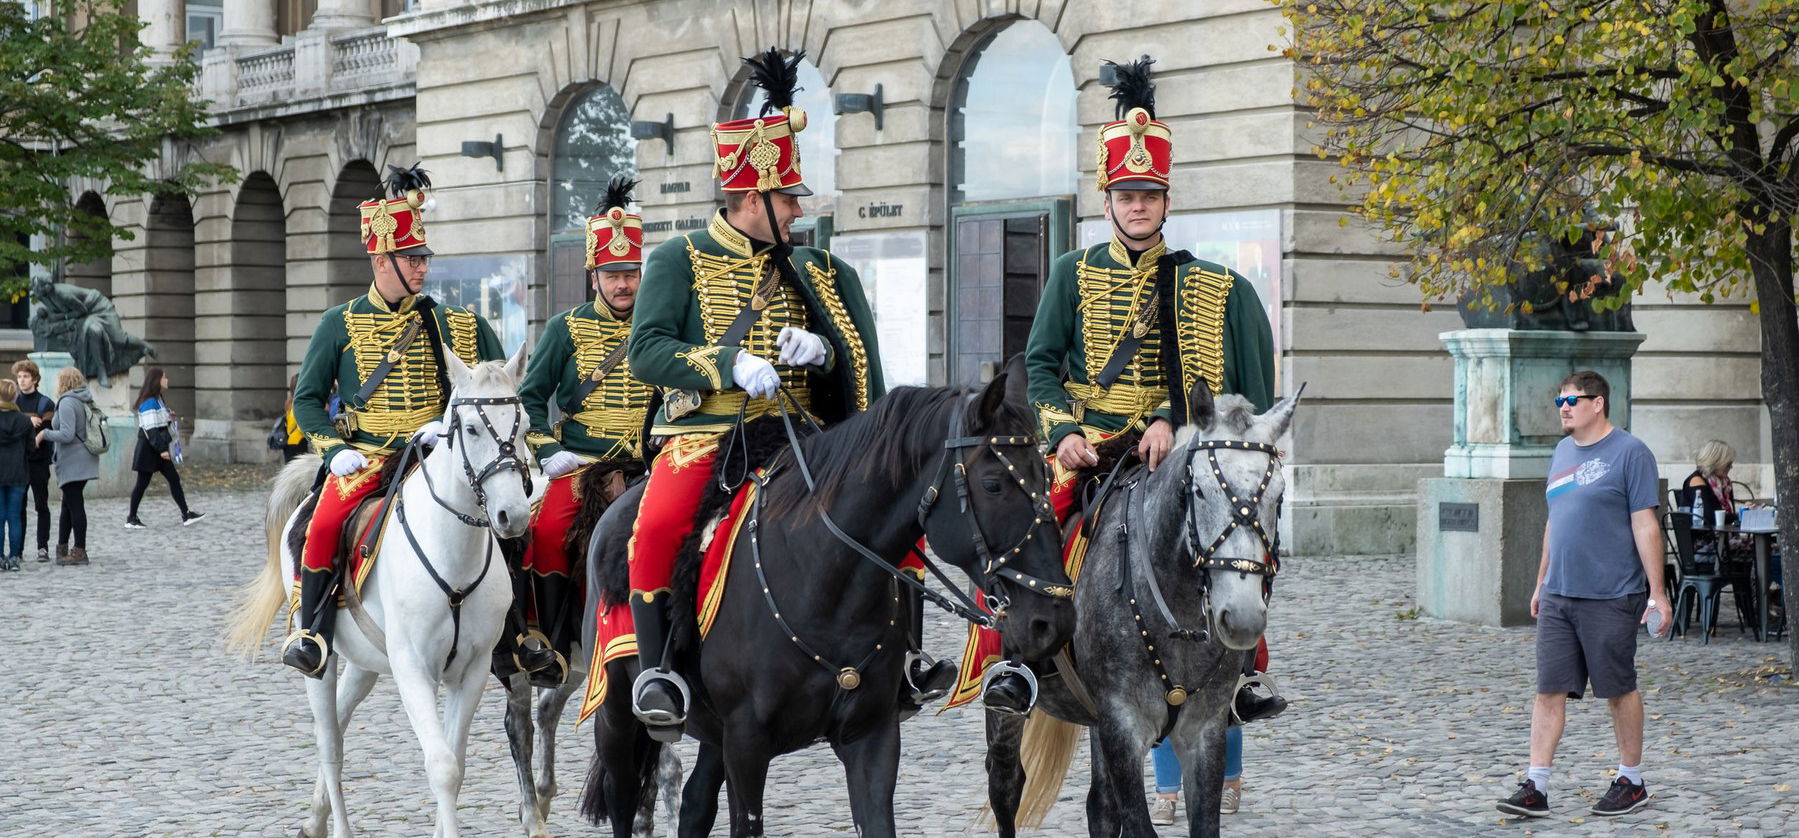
x,y
430,433
756,376
561,463
348,462
800,348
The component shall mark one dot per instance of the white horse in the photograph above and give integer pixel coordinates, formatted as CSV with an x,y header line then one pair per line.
x,y
440,538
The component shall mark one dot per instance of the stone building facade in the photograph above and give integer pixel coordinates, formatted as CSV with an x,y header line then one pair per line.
x,y
960,164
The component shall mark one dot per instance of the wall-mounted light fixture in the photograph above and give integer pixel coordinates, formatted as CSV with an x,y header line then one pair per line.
x,y
664,131
480,148
860,103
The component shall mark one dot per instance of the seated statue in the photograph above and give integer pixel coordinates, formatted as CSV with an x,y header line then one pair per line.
x,y
1559,296
83,323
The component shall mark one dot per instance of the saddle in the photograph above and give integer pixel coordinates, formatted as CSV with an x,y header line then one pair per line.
x,y
1117,456
360,538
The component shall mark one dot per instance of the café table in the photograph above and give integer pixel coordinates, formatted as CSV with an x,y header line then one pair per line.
x,y
1764,539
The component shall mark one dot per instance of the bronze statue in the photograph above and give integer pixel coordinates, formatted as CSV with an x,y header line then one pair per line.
x,y
1561,295
83,323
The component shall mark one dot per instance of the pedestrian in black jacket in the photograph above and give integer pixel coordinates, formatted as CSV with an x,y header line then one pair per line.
x,y
40,409
155,452
16,441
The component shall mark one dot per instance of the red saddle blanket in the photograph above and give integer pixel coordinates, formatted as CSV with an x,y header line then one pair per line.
x,y
615,636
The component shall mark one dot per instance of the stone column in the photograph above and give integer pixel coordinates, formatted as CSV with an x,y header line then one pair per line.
x,y
341,14
165,30
249,23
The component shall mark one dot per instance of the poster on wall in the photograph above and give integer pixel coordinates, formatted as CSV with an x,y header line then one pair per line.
x,y
491,286
893,271
1246,241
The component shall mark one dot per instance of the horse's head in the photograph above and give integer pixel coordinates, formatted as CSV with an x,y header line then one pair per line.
x,y
1005,536
1234,487
484,430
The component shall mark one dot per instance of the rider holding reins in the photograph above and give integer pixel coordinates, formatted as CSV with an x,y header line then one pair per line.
x,y
1123,332
579,364
728,316
380,354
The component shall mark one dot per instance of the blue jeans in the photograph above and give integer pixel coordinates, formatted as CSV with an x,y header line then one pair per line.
x,y
1168,766
12,518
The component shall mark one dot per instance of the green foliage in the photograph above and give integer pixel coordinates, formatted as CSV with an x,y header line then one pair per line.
x,y
88,104
1467,127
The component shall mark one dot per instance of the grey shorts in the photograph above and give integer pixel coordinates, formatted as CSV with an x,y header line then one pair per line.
x,y
1581,640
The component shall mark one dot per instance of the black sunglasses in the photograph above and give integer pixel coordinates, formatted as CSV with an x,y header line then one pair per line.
x,y
1570,401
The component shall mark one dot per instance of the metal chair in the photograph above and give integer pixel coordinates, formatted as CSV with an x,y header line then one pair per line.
x,y
1701,584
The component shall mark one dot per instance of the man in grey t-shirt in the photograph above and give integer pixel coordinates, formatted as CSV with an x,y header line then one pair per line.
x,y
1601,575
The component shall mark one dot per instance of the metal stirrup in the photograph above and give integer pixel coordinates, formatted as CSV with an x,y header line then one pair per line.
x,y
1261,678
998,668
644,679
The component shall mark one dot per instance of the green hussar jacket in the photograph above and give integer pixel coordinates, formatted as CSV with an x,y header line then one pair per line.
x,y
608,423
1219,332
694,286
350,342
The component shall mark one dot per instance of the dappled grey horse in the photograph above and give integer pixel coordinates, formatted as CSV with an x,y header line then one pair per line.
x,y
1173,590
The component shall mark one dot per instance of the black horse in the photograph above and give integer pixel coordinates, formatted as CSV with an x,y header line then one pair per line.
x,y
808,643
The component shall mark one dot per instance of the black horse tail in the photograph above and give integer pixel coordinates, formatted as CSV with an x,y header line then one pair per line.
x,y
599,784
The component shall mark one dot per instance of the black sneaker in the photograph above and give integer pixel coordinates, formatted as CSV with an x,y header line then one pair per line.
x,y
1526,802
190,517
1622,798
132,523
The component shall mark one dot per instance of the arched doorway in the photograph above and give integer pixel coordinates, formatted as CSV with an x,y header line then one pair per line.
x,y
817,150
347,269
167,304
1012,175
240,373
592,143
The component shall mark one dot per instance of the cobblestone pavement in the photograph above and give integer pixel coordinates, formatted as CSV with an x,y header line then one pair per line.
x,y
124,717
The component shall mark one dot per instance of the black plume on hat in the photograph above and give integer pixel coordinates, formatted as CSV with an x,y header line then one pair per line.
x,y
401,181
778,76
1131,87
618,192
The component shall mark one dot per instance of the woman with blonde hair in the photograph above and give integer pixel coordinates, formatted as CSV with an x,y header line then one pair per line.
x,y
1707,490
75,465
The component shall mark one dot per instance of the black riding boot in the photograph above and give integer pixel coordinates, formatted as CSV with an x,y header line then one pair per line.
x,y
926,679
659,697
1010,688
308,649
1249,706
520,649
554,614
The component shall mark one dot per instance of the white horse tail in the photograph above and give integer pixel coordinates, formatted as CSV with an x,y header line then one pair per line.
x,y
1045,751
261,597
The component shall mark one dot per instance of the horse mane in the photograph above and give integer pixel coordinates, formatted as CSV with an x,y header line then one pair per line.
x,y
897,436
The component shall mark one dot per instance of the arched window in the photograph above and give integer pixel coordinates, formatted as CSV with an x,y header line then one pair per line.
x,y
1012,132
593,143
1013,121
817,144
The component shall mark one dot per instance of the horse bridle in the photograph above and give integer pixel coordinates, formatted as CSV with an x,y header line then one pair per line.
x,y
1044,516
1243,515
506,459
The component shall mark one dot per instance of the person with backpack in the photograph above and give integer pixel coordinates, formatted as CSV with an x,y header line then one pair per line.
x,y
155,452
79,433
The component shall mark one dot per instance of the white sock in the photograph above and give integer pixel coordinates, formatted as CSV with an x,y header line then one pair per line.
x,y
1633,773
1539,775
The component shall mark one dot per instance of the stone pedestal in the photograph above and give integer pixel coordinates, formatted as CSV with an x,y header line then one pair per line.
x,y
1480,526
116,476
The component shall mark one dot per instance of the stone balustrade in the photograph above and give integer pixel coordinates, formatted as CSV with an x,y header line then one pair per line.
x,y
362,64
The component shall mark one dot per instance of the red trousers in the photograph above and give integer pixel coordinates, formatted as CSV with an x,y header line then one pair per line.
x,y
671,499
337,499
554,515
